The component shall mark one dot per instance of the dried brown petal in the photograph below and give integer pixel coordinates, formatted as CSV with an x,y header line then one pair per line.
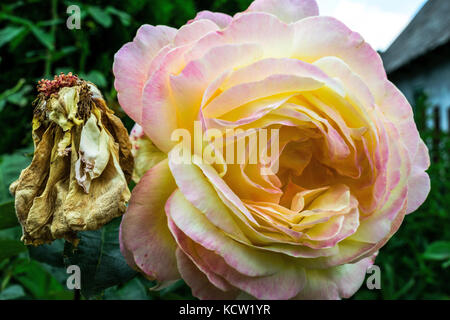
x,y
78,178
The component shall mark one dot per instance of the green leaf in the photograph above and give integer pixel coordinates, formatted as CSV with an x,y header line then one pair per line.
x,y
10,167
49,23
51,254
63,52
12,292
8,218
16,19
406,288
40,283
64,70
100,260
9,33
439,250
45,38
10,248
132,290
13,90
176,291
124,17
19,39
446,264
100,16
14,233
95,77
20,98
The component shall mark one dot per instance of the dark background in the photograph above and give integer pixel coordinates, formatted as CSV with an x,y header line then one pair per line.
x,y
35,44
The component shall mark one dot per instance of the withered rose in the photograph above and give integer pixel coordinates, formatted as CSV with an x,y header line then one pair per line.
x,y
82,162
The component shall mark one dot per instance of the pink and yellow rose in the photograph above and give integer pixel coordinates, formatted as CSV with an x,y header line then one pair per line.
x,y
351,161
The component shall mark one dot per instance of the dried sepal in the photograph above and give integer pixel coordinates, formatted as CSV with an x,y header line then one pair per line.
x,y
78,178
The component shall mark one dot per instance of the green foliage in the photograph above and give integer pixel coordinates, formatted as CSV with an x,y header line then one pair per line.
x,y
23,278
10,248
8,217
99,258
12,292
16,95
9,33
438,251
10,167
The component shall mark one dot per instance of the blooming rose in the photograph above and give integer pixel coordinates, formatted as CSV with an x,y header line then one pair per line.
x,y
351,162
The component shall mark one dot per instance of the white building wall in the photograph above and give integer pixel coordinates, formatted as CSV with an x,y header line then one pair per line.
x,y
435,82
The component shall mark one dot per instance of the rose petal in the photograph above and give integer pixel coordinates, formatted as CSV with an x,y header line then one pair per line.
x,y
199,283
194,31
335,283
144,226
132,63
318,37
197,227
286,10
201,194
419,182
221,19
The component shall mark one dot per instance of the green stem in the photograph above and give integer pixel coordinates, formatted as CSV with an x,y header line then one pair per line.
x,y
49,58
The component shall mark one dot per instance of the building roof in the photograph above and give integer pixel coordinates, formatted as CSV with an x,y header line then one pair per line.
x,y
429,29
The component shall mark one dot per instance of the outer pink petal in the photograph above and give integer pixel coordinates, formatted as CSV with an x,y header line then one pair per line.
x,y
355,87
376,227
273,35
248,92
318,37
398,110
201,194
221,19
419,182
193,223
335,283
192,32
199,283
286,10
281,285
393,104
128,255
144,232
284,284
159,114
132,63
189,87
347,251
264,68
190,248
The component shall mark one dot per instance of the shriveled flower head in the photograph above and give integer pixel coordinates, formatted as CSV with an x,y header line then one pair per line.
x,y
78,177
350,162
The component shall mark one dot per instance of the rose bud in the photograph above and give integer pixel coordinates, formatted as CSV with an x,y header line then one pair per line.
x,y
146,154
78,178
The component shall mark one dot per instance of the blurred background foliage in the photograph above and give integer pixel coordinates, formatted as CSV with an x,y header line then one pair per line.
x,y
35,43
